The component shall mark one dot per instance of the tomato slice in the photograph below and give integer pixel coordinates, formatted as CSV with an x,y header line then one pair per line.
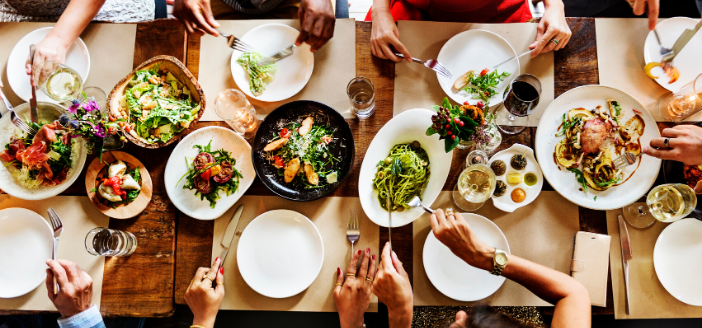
x,y
206,175
279,163
484,71
327,139
285,133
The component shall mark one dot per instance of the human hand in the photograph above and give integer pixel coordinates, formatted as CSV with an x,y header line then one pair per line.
x,y
553,26
197,16
393,288
454,232
385,37
317,21
50,48
353,295
203,300
652,7
685,144
75,287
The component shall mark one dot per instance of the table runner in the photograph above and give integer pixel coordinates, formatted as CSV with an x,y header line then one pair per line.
x,y
334,67
417,86
329,215
620,44
648,299
111,48
542,232
79,216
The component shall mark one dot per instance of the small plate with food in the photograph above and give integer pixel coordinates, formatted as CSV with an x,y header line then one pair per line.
x,y
160,99
43,165
208,171
277,81
470,56
580,135
403,162
518,175
686,66
303,150
119,185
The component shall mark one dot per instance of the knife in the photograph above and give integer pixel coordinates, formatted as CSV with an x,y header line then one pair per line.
x,y
682,42
230,233
33,102
514,57
387,205
280,55
626,257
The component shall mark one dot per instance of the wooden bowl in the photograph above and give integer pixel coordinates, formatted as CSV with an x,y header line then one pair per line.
x,y
125,211
175,67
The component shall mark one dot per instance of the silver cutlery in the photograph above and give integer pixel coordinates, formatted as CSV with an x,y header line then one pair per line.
x,y
14,118
508,60
387,205
432,64
230,233
664,51
682,42
57,225
416,202
33,102
353,229
280,55
236,43
626,257
625,160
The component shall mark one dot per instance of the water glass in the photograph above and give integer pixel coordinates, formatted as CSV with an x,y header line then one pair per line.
x,y
361,93
59,82
476,183
232,106
520,100
682,104
110,242
97,95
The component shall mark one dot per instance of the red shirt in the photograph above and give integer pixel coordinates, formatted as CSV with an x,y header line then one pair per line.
x,y
473,11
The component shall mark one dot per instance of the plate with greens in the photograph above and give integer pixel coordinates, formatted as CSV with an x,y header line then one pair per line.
x,y
208,171
470,56
278,81
303,150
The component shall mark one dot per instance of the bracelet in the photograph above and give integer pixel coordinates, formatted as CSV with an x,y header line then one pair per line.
x,y
196,326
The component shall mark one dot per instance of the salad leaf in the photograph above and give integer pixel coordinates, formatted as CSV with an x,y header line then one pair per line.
x,y
483,86
259,76
580,177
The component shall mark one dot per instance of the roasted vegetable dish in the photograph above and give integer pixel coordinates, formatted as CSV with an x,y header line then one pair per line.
x,y
118,184
211,172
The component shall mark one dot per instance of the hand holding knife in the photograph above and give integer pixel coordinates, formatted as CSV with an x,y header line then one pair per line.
x,y
230,234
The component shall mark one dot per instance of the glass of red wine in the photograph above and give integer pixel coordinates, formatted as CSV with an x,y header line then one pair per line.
x,y
520,100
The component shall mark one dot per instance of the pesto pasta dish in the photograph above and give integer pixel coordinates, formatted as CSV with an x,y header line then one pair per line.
x,y
402,175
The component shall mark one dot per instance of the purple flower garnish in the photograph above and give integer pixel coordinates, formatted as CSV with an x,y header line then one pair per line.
x,y
99,130
74,106
91,106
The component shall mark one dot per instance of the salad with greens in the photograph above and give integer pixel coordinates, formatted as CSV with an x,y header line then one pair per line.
x,y
210,172
259,76
158,105
480,86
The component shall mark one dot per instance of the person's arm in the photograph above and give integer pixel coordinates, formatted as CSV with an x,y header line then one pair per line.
x,y
196,16
204,300
570,297
552,26
393,288
75,295
385,37
352,292
317,22
684,144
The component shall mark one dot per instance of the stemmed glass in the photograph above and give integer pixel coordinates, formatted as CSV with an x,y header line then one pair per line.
x,y
682,104
59,82
666,203
233,107
475,184
520,100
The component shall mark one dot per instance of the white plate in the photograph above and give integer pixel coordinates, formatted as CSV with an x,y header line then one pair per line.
x,y
505,201
280,253
564,181
677,258
293,72
77,58
185,199
687,62
452,276
476,50
26,242
409,126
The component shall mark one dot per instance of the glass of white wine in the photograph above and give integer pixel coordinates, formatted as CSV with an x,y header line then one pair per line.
x,y
475,184
666,203
59,82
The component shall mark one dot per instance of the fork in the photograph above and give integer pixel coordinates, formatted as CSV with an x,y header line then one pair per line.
x,y
416,202
665,52
353,229
15,119
236,43
431,64
58,227
625,160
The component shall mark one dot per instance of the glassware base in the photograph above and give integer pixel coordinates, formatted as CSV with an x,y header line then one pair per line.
x,y
637,215
462,203
510,124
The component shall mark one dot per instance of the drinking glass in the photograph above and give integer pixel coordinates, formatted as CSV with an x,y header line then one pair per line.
x,y
232,106
361,93
476,183
666,203
520,100
97,95
59,82
110,242
682,104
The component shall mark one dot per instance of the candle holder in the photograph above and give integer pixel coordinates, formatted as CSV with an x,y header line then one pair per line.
x,y
682,104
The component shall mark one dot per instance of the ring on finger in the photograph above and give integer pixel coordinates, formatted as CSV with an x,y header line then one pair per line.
x,y
666,142
369,279
351,275
338,284
207,277
554,40
449,211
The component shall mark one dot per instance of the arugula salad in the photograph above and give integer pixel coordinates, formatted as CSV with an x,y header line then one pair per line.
x,y
211,171
158,105
480,86
259,76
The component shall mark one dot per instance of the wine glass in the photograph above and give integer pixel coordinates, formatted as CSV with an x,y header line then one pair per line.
x,y
520,100
682,104
59,82
476,183
666,203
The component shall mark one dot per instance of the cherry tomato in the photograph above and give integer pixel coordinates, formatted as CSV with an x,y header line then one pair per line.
x,y
484,71
112,119
116,183
278,162
480,105
285,133
466,103
326,139
206,175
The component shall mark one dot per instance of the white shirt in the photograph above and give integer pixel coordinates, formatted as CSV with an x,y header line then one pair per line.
x,y
116,11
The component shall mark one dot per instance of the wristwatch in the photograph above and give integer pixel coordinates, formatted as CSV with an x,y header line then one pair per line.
x,y
499,262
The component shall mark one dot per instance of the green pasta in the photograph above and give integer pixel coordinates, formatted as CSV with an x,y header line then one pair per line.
x,y
402,175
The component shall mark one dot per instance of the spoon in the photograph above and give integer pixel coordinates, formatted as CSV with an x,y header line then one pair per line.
x,y
416,202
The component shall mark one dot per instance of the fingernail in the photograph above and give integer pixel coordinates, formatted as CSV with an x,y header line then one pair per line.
x,y
373,257
221,270
368,250
359,252
338,271
217,259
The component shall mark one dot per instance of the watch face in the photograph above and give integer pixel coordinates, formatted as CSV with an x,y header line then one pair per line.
x,y
501,258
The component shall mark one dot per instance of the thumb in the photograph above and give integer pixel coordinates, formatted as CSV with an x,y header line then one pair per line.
x,y
219,289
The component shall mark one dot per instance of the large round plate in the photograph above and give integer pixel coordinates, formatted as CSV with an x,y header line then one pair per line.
x,y
476,50
563,181
505,201
26,242
409,126
452,276
47,112
293,72
183,154
677,259
687,62
280,253
344,148
673,173
77,58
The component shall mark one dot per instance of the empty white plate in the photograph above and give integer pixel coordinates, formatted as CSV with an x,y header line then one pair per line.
x,y
677,258
476,50
687,61
26,242
280,253
452,276
77,58
293,72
